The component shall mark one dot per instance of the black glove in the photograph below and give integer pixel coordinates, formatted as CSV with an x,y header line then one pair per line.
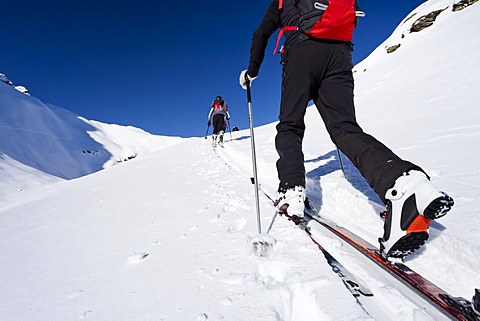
x,y
209,123
228,118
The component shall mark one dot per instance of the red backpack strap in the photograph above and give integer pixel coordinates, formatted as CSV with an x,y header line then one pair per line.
x,y
280,34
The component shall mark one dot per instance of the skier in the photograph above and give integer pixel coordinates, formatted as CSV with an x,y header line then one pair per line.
x,y
321,70
219,111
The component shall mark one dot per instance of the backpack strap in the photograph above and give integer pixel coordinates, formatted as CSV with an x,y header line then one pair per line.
x,y
280,34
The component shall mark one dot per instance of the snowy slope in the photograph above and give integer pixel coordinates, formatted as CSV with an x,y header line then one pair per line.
x,y
167,236
51,143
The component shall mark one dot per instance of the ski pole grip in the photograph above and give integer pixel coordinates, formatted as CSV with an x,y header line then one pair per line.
x,y
249,93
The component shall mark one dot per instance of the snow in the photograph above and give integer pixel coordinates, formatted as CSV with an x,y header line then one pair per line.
x,y
106,222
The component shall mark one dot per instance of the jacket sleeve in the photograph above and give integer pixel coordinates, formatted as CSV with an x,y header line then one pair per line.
x,y
210,113
270,23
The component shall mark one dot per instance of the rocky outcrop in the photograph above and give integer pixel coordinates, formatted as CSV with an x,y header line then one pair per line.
x,y
425,21
463,4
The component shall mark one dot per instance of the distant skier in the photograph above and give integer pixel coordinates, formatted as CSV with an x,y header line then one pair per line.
x,y
235,128
218,111
318,66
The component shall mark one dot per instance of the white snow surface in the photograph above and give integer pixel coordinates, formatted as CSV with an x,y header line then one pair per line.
x,y
168,234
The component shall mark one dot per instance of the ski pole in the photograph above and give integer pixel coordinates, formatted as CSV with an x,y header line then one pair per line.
x,y
341,162
271,223
254,157
229,129
206,133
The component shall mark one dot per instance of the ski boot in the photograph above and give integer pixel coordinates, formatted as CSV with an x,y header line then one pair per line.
x,y
413,202
220,138
291,202
214,140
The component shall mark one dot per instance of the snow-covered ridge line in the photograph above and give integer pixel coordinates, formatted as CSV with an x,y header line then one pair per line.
x,y
22,89
54,142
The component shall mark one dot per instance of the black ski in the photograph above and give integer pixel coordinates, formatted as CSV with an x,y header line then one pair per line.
x,y
356,287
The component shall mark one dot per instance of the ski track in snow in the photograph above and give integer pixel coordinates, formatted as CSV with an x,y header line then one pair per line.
x,y
293,292
298,297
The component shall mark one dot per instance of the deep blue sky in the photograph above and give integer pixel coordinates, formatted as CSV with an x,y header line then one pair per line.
x,y
155,65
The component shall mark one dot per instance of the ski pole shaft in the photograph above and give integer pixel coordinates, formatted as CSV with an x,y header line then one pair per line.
x,y
341,162
271,223
206,133
254,156
229,129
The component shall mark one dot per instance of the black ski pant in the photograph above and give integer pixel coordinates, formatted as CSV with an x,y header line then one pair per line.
x,y
218,123
322,71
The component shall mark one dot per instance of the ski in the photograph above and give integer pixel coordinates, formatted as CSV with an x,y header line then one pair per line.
x,y
362,294
432,296
356,287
